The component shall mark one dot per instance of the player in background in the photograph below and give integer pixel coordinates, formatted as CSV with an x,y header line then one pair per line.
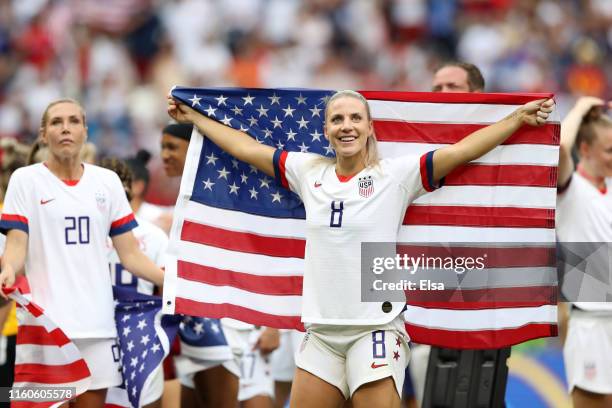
x,y
211,379
153,242
352,349
584,214
140,184
12,156
247,369
282,363
57,216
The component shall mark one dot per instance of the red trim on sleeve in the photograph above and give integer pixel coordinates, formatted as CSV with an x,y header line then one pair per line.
x,y
281,168
122,221
424,179
14,217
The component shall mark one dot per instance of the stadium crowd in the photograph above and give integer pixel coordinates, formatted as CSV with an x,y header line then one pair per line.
x,y
119,58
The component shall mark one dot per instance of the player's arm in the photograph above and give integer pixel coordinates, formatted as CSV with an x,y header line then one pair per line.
x,y
134,260
234,142
484,140
14,256
569,130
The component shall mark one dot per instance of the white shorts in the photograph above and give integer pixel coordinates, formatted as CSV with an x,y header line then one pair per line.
x,y
282,359
202,351
103,360
151,392
254,370
349,356
248,365
588,351
187,367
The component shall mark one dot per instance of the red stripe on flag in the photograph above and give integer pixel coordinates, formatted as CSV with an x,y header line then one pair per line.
x,y
39,336
458,97
465,216
504,175
34,309
217,311
481,299
242,241
480,339
512,257
51,374
266,285
449,133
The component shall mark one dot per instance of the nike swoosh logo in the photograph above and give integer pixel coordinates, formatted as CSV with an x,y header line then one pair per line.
x,y
43,202
378,365
317,185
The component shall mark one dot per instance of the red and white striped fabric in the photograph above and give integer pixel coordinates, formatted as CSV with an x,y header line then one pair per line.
x,y
45,356
249,267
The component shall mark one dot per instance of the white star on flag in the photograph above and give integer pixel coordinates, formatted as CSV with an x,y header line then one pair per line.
x,y
211,111
276,197
195,100
303,123
221,100
248,100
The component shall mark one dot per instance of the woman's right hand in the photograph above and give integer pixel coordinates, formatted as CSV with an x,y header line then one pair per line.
x,y
587,104
179,111
7,279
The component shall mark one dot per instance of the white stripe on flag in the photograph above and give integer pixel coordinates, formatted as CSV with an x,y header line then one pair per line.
x,y
496,319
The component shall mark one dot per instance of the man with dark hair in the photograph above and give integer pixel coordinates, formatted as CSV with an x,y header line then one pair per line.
x,y
458,76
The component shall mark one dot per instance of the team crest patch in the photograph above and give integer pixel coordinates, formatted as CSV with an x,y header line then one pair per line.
x,y
366,186
100,199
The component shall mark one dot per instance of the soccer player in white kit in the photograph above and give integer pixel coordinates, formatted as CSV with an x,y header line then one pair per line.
x,y
584,214
57,216
153,242
352,348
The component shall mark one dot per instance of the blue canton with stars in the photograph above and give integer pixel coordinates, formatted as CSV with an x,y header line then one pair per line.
x,y
290,119
139,322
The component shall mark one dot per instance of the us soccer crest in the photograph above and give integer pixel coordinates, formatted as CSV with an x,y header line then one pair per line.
x,y
100,199
366,186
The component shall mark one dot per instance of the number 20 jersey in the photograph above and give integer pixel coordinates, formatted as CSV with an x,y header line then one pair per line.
x,y
67,226
340,215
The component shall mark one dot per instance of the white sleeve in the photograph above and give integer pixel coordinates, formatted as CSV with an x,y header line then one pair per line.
x,y
290,168
415,174
121,215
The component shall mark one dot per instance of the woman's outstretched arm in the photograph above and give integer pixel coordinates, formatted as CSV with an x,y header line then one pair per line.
x,y
234,142
486,139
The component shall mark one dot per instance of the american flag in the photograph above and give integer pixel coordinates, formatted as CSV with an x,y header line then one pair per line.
x,y
45,356
144,336
237,242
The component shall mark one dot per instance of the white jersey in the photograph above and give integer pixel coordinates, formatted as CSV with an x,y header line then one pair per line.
x,y
67,227
584,214
340,215
153,242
